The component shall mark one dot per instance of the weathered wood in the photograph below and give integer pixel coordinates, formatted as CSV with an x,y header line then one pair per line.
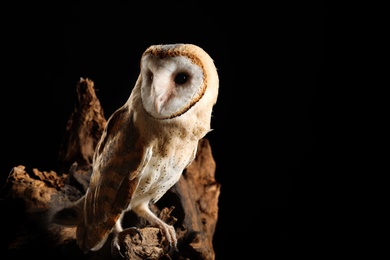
x,y
85,126
30,198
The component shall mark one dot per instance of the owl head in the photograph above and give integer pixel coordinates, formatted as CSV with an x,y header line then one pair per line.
x,y
176,77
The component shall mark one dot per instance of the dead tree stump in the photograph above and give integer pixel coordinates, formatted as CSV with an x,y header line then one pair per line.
x,y
28,199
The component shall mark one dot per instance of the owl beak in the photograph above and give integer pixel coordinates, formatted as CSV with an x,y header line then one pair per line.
x,y
161,96
159,103
160,99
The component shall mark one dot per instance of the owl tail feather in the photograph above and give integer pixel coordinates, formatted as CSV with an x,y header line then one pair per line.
x,y
69,215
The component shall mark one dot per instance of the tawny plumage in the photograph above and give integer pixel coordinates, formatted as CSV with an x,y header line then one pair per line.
x,y
147,143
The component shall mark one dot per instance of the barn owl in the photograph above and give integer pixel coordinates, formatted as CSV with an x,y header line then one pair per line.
x,y
146,144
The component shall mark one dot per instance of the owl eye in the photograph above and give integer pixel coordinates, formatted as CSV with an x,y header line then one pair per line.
x,y
149,75
181,78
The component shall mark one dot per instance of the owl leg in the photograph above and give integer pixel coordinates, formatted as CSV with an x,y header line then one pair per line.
x,y
168,230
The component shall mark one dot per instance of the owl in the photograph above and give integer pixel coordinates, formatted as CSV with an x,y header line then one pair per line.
x,y
146,144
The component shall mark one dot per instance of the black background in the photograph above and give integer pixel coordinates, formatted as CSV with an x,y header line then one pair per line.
x,y
268,122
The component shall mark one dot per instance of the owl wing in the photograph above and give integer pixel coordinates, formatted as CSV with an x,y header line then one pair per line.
x,y
119,159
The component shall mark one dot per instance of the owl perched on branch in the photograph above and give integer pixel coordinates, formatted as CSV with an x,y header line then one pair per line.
x,y
146,144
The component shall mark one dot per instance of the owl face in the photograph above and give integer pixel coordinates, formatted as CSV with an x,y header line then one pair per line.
x,y
171,84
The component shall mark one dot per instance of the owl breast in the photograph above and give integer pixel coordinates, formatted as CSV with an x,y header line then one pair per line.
x,y
160,174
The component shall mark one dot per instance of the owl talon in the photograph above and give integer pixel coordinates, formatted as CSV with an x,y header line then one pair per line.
x,y
171,247
170,236
139,233
134,230
115,247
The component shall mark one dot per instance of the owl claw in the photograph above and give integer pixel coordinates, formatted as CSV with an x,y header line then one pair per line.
x,y
115,247
139,233
134,230
170,235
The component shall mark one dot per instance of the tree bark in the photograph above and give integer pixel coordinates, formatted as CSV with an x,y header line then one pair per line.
x,y
28,199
